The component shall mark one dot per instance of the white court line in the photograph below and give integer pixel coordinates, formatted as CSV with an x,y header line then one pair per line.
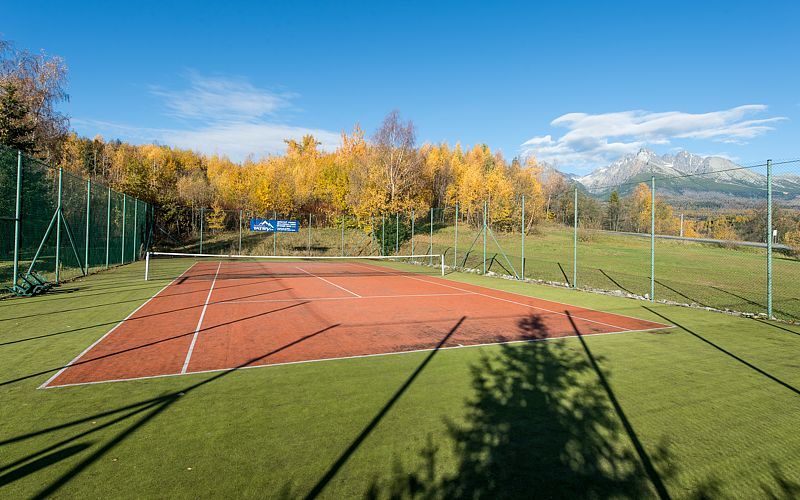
x,y
522,304
362,297
329,282
200,322
79,356
358,356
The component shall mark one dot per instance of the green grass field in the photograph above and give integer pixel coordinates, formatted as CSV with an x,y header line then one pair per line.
x,y
708,409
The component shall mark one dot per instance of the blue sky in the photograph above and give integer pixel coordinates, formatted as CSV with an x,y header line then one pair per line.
x,y
576,83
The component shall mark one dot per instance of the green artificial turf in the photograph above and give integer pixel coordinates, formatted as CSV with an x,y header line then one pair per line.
x,y
709,408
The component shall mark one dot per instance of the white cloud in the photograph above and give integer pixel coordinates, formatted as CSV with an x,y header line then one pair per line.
x,y
222,98
237,139
596,139
226,116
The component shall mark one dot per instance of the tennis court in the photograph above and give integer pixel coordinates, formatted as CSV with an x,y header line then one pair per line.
x,y
223,314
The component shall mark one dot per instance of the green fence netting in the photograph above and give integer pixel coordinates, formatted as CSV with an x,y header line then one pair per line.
x,y
68,225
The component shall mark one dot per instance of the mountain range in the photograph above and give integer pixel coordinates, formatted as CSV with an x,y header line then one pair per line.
x,y
688,175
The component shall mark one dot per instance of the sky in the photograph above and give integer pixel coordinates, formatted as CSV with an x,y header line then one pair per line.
x,y
577,84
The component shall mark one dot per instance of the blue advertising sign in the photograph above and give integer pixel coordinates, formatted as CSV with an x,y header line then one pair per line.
x,y
273,225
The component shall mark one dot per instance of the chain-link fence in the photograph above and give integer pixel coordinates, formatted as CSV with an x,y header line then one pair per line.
x,y
697,239
59,226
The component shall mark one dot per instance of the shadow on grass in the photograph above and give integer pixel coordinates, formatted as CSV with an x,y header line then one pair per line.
x,y
145,411
347,453
542,421
612,280
774,325
726,352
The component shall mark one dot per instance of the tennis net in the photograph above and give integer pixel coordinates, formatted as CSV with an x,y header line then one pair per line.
x,y
198,266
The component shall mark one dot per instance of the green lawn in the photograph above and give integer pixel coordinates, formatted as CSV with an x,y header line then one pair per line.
x,y
708,409
701,274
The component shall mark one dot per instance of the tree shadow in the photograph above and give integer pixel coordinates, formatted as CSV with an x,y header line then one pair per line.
x,y
542,421
347,453
782,488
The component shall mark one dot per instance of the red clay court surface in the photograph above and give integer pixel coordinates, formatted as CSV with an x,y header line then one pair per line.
x,y
229,315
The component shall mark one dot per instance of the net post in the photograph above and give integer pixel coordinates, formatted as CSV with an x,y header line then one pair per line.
x,y
522,247
88,215
17,215
652,238
575,242
124,216
58,224
455,242
108,226
769,239
431,252
147,266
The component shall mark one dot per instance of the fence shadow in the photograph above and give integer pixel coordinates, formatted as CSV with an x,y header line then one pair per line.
x,y
124,421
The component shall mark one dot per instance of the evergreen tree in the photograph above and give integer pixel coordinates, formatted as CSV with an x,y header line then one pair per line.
x,y
16,130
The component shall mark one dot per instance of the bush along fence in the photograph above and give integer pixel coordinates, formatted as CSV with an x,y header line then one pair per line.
x,y
56,226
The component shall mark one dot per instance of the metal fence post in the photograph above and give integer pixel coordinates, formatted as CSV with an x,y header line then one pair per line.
x,y
383,234
522,247
275,233
343,219
108,226
455,243
769,239
202,220
88,215
430,252
240,232
575,243
309,233
125,216
397,234
17,215
135,256
412,231
58,225
653,238
485,204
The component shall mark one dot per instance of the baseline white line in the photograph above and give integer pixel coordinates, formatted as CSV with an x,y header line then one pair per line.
x,y
363,297
79,356
200,322
358,356
526,305
329,282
